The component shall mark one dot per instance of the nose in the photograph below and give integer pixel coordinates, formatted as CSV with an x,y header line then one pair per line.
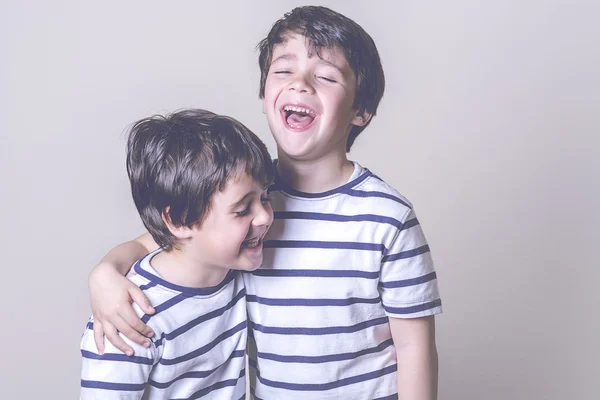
x,y
301,84
264,215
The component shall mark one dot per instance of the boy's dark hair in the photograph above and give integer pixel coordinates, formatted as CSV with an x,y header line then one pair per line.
x,y
180,160
324,27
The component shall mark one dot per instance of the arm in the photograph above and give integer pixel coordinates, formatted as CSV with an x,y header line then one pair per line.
x,y
111,296
414,340
410,297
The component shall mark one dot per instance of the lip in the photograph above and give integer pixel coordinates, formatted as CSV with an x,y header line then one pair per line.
x,y
283,114
260,239
254,250
301,105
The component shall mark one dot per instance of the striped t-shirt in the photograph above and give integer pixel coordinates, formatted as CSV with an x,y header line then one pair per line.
x,y
197,351
336,266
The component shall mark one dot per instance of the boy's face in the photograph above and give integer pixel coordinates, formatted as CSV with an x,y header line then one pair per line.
x,y
308,100
231,235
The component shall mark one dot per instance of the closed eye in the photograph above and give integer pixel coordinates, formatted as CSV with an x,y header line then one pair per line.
x,y
327,79
243,212
283,72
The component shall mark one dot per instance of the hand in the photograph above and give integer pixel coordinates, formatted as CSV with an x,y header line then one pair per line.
x,y
111,296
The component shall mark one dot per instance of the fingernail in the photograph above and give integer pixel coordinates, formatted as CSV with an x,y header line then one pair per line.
x,y
129,353
151,334
146,343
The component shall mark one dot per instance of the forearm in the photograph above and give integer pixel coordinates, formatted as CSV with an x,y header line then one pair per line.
x,y
417,372
124,255
416,353
111,295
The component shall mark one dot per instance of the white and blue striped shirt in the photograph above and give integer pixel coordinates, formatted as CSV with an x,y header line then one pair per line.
x,y
197,351
336,266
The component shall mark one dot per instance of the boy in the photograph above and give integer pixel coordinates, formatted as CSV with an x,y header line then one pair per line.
x,y
343,305
199,183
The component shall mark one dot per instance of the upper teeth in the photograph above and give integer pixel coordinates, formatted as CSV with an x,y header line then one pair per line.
x,y
298,109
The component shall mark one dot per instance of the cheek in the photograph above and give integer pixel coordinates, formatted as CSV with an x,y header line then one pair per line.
x,y
271,93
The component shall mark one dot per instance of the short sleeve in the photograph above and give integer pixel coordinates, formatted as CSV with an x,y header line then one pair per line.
x,y
113,375
408,281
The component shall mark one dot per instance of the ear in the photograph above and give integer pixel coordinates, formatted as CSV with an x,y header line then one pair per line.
x,y
264,105
361,119
180,232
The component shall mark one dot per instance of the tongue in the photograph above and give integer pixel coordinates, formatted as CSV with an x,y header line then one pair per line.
x,y
298,120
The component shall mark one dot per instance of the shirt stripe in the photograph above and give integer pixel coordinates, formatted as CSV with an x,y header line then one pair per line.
x,y
186,357
319,331
338,218
116,357
406,254
311,302
311,244
194,374
360,193
325,358
413,309
329,385
317,273
212,388
409,282
126,387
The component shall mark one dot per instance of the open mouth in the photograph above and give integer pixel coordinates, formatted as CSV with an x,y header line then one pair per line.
x,y
253,243
298,117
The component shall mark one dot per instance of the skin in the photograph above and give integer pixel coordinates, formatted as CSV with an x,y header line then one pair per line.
x,y
204,254
238,214
311,160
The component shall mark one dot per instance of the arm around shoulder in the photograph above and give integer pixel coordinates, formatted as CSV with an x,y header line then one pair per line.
x,y
122,256
111,295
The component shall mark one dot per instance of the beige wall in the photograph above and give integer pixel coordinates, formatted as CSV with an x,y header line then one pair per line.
x,y
489,125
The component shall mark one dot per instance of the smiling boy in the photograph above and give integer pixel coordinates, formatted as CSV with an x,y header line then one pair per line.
x,y
343,305
199,183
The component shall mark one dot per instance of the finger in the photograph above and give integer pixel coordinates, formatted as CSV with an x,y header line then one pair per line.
x,y
139,298
130,317
113,336
99,336
122,326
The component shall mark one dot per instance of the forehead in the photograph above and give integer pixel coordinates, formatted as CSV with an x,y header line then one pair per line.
x,y
295,46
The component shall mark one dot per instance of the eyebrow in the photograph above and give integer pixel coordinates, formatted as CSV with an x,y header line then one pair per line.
x,y
331,64
293,57
286,56
240,201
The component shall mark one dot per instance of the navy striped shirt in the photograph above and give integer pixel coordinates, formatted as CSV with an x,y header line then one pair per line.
x,y
197,351
336,266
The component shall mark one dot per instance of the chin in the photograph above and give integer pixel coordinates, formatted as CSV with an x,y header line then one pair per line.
x,y
254,268
248,268
298,151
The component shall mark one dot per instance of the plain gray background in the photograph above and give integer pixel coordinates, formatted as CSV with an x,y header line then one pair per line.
x,y
488,125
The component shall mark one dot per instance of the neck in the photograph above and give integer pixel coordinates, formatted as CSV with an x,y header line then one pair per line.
x,y
179,268
314,176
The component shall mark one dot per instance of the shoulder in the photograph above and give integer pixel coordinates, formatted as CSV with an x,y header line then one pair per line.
x,y
377,194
